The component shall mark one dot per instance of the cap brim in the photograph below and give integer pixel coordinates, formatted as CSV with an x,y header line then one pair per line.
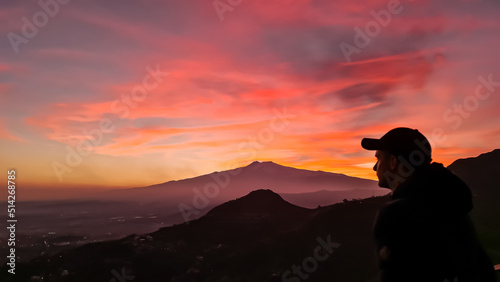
x,y
371,144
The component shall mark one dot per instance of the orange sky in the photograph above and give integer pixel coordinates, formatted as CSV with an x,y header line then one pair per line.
x,y
123,95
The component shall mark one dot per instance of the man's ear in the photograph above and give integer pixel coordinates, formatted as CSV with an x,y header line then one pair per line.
x,y
393,163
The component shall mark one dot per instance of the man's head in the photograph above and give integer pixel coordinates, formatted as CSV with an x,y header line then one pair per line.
x,y
386,163
399,152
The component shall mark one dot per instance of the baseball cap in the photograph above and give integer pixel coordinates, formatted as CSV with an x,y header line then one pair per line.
x,y
402,141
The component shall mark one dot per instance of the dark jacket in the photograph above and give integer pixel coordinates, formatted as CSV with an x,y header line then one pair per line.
x,y
425,233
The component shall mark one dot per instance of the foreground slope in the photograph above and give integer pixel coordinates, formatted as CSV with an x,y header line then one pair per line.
x,y
255,238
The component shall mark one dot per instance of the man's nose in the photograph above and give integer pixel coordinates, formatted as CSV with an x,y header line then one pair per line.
x,y
375,166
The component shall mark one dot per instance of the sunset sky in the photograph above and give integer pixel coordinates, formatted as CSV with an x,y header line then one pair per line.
x,y
165,90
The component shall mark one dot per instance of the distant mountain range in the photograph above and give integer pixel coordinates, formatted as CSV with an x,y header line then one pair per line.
x,y
260,237
299,186
47,225
257,175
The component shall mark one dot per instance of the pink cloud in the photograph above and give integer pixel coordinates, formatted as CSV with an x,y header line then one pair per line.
x,y
6,134
227,79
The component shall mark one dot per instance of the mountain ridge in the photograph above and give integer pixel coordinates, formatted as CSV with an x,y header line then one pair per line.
x,y
240,181
255,165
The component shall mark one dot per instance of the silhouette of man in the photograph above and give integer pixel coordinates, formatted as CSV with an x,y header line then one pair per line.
x,y
424,233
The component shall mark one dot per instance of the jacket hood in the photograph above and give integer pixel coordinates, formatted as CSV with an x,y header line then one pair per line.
x,y
440,192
